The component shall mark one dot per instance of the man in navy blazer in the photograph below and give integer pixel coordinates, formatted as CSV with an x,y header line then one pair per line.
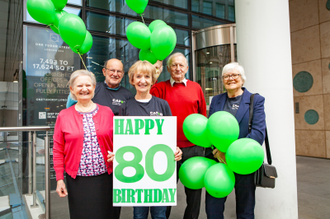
x,y
237,102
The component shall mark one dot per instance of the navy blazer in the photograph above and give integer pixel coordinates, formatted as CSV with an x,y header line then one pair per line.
x,y
242,115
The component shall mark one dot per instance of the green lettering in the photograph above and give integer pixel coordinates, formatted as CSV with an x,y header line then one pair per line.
x,y
159,123
130,196
116,196
139,195
139,124
157,195
150,124
129,127
119,126
148,196
123,197
165,196
172,194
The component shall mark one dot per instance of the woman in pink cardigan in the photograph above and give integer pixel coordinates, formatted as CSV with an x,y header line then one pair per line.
x,y
83,138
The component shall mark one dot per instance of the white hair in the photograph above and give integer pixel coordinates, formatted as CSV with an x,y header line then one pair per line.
x,y
234,65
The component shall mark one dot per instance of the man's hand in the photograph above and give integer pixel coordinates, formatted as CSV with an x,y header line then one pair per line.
x,y
219,155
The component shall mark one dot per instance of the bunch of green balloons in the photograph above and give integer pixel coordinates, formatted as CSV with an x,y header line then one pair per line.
x,y
71,27
156,41
243,156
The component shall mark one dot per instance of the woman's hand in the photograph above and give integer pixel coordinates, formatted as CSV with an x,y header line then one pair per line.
x,y
219,155
178,154
61,189
110,156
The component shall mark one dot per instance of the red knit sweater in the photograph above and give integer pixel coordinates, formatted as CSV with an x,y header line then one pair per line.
x,y
183,101
69,137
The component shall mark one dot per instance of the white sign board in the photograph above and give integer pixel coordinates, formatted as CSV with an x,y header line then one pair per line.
x,y
144,167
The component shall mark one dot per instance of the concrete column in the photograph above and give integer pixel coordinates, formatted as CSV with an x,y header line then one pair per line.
x,y
264,50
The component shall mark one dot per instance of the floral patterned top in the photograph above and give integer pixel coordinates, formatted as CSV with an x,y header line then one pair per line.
x,y
91,162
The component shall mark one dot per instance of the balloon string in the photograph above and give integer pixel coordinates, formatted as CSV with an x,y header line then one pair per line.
x,y
82,60
142,18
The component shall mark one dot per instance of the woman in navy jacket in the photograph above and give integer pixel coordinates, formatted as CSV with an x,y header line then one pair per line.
x,y
237,102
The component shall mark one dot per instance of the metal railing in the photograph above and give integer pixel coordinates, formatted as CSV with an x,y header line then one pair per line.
x,y
32,171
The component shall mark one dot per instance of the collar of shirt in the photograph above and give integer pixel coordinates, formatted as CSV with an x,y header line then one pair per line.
x,y
184,81
116,88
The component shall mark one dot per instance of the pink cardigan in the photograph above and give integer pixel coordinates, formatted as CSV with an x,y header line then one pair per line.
x,y
69,136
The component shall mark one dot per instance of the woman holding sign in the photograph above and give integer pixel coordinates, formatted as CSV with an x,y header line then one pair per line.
x,y
237,102
83,135
142,75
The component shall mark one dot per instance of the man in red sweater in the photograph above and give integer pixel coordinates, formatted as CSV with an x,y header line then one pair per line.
x,y
185,97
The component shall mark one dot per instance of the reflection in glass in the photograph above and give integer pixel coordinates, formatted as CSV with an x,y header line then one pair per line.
x,y
113,6
209,64
107,23
75,2
182,37
169,16
224,9
201,23
181,4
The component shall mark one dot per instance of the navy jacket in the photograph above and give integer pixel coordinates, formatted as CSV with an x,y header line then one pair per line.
x,y
242,115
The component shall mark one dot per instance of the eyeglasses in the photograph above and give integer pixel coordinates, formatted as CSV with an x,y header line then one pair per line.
x,y
114,71
233,76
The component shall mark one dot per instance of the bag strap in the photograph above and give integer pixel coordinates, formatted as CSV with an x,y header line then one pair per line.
x,y
268,153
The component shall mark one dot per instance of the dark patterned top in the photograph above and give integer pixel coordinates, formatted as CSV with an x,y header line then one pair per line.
x,y
91,162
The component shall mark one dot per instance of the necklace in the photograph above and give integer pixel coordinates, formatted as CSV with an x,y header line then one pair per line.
x,y
85,109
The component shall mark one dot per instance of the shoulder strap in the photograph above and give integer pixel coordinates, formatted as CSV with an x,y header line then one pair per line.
x,y
269,155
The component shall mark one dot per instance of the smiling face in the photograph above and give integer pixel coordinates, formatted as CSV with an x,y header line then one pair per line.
x,y
83,88
231,83
113,73
178,68
142,82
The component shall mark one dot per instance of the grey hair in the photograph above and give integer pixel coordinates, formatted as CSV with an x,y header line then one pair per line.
x,y
169,60
234,65
78,73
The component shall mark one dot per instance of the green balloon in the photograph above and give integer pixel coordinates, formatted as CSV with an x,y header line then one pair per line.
x,y
59,4
194,128
74,50
42,11
192,171
138,34
58,16
219,180
87,45
155,24
245,156
222,130
147,55
137,5
162,41
72,29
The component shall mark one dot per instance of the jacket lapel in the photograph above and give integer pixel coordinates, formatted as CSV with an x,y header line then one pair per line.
x,y
221,102
244,106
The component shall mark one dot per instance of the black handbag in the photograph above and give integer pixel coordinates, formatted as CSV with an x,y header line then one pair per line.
x,y
265,176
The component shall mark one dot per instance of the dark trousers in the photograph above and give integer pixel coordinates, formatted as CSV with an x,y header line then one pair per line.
x,y
193,196
245,199
91,197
